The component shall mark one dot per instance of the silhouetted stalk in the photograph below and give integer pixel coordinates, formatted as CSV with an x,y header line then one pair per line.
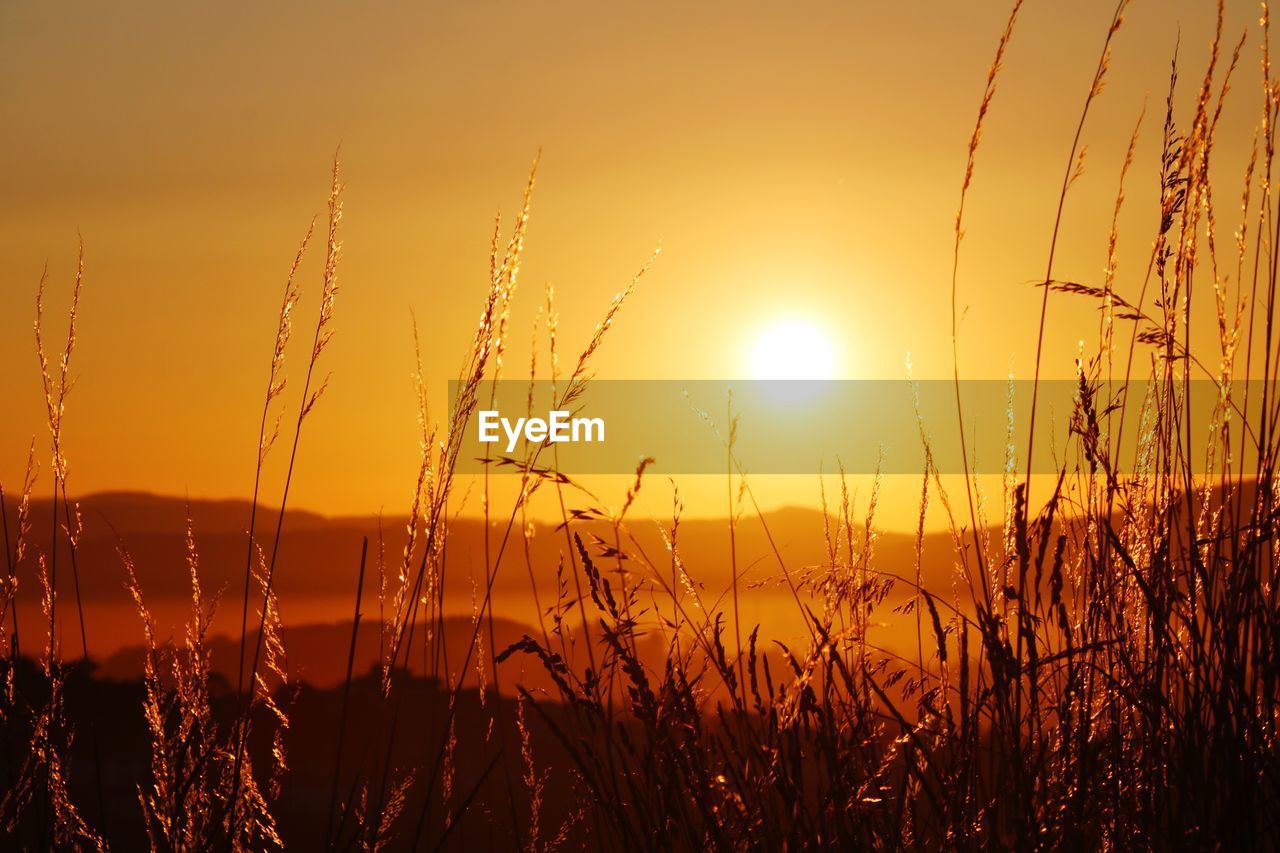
x,y
1072,170
330,839
322,336
275,387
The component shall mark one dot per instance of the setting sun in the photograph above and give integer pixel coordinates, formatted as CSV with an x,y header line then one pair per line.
x,y
794,349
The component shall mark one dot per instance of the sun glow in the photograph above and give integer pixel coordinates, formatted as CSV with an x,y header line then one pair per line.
x,y
793,349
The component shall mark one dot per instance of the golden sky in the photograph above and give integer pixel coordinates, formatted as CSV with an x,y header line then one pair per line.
x,y
793,160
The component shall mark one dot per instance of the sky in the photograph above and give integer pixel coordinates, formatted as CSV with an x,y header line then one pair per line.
x,y
793,161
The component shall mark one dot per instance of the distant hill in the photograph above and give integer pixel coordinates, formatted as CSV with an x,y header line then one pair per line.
x,y
317,653
319,563
320,556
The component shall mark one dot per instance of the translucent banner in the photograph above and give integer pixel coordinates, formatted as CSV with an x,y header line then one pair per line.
x,y
862,426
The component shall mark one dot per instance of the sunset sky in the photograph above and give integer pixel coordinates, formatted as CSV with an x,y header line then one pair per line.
x,y
798,161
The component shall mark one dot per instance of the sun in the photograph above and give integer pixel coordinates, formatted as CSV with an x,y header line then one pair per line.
x,y
793,349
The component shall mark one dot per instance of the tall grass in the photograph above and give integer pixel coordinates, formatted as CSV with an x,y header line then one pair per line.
x,y
1103,670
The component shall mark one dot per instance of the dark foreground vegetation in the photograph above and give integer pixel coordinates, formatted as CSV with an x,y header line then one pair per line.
x,y
302,809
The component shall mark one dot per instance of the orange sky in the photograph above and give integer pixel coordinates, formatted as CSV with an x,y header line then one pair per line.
x,y
798,160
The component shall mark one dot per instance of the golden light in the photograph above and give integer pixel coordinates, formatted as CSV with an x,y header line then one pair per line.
x,y
793,349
